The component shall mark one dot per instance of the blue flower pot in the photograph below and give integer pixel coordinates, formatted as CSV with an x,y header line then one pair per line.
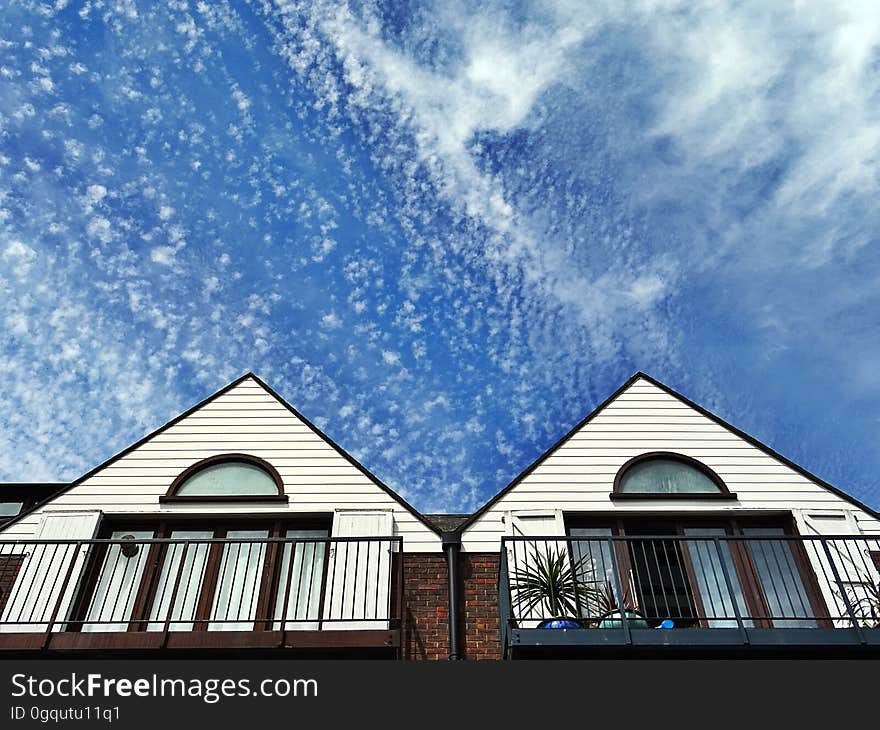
x,y
560,623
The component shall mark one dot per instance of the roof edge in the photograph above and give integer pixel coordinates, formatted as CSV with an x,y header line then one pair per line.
x,y
128,449
769,451
537,462
348,457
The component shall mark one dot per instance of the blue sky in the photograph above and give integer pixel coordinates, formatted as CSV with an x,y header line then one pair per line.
x,y
444,231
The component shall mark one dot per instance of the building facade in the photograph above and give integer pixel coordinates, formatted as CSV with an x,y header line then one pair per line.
x,y
240,529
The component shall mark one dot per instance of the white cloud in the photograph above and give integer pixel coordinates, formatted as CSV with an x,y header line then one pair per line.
x,y
331,321
164,255
100,228
20,255
94,195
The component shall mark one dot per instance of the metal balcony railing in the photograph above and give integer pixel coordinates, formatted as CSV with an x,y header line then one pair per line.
x,y
745,583
200,585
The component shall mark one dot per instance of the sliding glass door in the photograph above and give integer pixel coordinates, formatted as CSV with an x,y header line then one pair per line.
x,y
782,580
301,573
182,564
704,575
194,578
118,570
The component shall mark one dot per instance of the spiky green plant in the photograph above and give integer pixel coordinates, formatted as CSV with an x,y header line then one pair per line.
x,y
867,608
548,580
602,601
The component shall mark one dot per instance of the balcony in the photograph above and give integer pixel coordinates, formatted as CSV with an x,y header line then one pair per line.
x,y
677,595
316,596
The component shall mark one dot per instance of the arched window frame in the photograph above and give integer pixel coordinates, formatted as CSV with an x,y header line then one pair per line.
x,y
722,493
172,496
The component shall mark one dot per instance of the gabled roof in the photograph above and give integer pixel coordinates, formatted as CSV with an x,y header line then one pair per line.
x,y
342,452
675,394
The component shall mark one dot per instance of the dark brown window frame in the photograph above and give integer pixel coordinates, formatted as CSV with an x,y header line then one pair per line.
x,y
723,492
148,583
172,496
733,525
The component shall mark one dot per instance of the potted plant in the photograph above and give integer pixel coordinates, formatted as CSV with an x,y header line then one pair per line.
x,y
602,603
867,607
547,583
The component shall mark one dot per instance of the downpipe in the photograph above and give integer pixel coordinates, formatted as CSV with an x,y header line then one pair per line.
x,y
452,548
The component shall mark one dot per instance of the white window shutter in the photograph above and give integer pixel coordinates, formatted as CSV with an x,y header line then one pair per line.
x,y
358,591
826,522
849,560
521,554
37,589
539,524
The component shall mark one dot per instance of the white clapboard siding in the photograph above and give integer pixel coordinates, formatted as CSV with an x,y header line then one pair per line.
x,y
359,573
39,592
244,419
579,475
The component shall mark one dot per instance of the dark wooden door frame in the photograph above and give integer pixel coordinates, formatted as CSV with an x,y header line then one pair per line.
x,y
158,553
746,571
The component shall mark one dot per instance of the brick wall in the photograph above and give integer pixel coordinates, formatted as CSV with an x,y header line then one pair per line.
x,y
426,617
9,567
425,606
479,611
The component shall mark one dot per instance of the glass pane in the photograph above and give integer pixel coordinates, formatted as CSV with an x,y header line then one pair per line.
x,y
662,587
301,582
189,587
781,582
665,476
711,587
594,565
10,509
238,582
228,479
118,582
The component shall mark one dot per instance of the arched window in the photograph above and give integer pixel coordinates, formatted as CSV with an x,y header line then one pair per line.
x,y
664,474
230,477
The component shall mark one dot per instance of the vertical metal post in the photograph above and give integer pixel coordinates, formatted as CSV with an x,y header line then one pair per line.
x,y
286,600
398,543
739,622
57,607
504,600
173,598
621,600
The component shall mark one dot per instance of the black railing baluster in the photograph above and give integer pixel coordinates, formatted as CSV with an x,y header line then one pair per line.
x,y
57,607
783,575
55,573
285,601
252,611
739,622
34,571
173,598
504,616
624,618
843,593
367,586
646,563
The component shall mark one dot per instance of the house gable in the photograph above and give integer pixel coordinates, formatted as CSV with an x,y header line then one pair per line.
x,y
246,417
577,473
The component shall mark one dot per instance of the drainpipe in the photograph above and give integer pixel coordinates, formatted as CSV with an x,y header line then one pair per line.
x,y
452,547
